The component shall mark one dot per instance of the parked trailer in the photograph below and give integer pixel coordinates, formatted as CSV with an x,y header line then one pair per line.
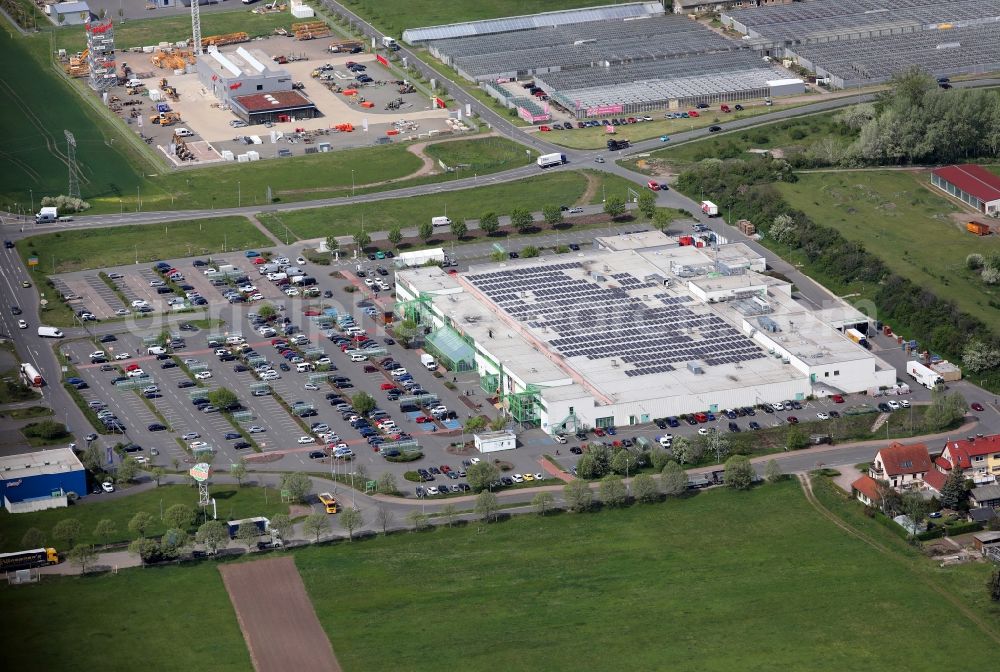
x,y
978,228
39,557
262,523
857,337
49,332
549,160
709,208
927,377
31,376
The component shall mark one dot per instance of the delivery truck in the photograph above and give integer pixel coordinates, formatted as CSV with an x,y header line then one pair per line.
x,y
49,332
549,160
857,337
31,376
926,376
39,557
390,43
328,501
47,215
262,524
428,362
709,208
438,222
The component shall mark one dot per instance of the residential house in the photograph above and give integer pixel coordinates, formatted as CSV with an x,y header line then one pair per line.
x,y
987,496
978,456
984,516
935,480
901,466
866,489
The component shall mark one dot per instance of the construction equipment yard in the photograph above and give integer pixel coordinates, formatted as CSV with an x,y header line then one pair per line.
x,y
392,111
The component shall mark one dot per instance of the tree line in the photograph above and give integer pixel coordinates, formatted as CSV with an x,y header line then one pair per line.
x,y
744,189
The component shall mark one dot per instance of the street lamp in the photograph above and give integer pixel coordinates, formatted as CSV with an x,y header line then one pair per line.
x,y
239,195
352,182
32,192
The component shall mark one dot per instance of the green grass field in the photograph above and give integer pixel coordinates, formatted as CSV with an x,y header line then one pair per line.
x,y
717,582
596,138
722,581
900,218
396,15
792,135
152,31
163,618
32,144
482,155
550,188
232,502
74,250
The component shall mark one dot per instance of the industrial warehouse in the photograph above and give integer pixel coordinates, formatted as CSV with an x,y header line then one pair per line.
x,y
41,480
643,327
606,60
861,42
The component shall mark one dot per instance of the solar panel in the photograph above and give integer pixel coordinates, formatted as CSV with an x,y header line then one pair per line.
x,y
611,324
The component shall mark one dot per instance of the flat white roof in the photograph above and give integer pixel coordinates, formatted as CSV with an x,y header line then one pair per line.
x,y
54,461
242,63
557,322
785,82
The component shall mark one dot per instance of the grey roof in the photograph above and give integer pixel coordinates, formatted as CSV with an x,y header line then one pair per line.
x,y
986,492
413,35
823,19
553,48
970,49
679,78
982,515
55,461
70,7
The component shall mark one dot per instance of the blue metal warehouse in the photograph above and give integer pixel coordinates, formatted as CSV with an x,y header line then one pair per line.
x,y
36,481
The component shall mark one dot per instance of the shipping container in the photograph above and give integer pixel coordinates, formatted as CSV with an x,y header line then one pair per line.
x,y
978,228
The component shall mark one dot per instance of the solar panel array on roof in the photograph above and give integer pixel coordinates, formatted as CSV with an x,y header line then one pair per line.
x,y
489,26
611,324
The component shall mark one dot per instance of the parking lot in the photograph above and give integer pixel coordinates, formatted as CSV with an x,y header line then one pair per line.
x,y
310,318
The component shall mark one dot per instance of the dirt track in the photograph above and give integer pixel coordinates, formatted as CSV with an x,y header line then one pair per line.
x,y
278,621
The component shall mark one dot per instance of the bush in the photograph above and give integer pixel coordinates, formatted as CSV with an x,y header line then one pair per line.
x,y
350,289
412,476
405,457
46,430
65,204
952,530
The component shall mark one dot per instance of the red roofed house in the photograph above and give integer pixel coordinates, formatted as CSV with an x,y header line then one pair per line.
x,y
901,466
866,490
934,479
978,457
973,184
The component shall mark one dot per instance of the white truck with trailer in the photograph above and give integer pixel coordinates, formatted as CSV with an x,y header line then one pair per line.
x,y
924,375
709,208
550,160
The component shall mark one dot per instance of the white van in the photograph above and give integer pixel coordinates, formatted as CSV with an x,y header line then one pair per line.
x,y
440,221
156,350
183,133
358,357
303,367
235,340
